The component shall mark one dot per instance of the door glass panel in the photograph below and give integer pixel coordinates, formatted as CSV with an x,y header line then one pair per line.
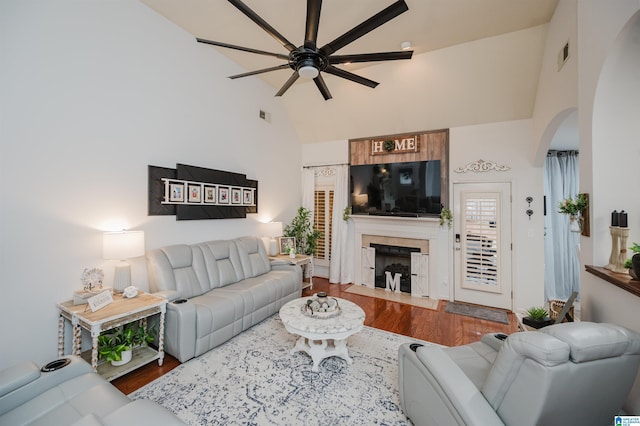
x,y
481,241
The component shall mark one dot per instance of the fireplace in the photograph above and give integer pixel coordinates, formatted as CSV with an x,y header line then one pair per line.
x,y
422,240
396,264
393,267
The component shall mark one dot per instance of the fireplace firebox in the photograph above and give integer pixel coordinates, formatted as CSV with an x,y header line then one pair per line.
x,y
393,262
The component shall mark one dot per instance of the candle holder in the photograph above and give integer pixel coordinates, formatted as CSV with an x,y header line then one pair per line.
x,y
618,255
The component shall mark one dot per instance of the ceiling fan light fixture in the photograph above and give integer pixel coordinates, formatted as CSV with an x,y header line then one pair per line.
x,y
308,72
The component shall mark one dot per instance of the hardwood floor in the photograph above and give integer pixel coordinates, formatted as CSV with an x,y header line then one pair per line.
x,y
425,324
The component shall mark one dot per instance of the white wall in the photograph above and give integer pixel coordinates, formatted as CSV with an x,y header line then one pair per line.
x,y
609,128
319,154
91,93
557,93
508,143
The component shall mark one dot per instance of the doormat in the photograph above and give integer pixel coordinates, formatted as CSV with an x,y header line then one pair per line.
x,y
477,312
392,296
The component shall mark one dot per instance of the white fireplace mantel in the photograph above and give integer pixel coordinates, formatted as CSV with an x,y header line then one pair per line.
x,y
440,254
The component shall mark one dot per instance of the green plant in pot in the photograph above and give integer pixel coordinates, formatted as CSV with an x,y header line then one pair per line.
x,y
302,230
633,264
537,317
446,217
117,345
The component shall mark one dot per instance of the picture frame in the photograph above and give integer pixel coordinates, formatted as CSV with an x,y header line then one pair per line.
x,y
176,192
223,195
210,194
236,196
285,243
194,193
247,197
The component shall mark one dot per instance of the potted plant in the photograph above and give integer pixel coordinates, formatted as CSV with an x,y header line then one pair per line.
x,y
117,345
633,264
302,229
446,217
537,317
574,208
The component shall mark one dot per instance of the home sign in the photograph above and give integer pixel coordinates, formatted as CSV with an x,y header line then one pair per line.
x,y
394,146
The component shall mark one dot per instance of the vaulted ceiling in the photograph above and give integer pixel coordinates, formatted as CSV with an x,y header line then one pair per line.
x,y
430,25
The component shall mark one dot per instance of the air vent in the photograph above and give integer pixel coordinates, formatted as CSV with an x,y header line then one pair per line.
x,y
265,116
563,56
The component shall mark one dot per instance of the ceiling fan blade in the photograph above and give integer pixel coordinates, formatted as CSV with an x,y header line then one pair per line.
x,y
370,57
369,25
262,24
350,76
322,87
313,21
247,74
244,49
288,83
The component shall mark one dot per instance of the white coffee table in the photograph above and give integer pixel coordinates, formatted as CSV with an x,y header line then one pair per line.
x,y
321,338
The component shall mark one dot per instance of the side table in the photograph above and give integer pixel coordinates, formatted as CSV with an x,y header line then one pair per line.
x,y
301,260
122,311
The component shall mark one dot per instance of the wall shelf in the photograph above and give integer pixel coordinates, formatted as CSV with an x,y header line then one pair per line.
x,y
624,281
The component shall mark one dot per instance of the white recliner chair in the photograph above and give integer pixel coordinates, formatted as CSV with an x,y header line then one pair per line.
x,y
67,392
567,374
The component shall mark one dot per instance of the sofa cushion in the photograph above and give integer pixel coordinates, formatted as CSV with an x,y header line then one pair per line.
x,y
253,256
68,402
221,263
589,341
178,267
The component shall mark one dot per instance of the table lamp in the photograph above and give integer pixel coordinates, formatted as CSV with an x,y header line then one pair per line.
x,y
121,246
273,230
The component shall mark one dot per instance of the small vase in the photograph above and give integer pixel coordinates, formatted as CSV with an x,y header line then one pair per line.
x,y
292,254
575,223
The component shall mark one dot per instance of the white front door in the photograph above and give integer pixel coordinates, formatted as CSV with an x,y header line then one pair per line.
x,y
482,230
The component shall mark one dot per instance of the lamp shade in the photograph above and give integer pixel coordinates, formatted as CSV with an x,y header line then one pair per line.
x,y
122,245
273,229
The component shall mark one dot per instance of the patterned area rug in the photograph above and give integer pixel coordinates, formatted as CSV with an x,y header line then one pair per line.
x,y
252,379
477,312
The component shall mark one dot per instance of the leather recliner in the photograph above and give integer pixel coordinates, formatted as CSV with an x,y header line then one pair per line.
x,y
570,373
71,394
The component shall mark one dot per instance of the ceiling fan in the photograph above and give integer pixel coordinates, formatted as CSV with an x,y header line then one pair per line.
x,y
308,61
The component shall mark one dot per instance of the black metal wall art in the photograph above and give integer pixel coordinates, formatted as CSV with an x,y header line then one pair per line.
x,y
191,192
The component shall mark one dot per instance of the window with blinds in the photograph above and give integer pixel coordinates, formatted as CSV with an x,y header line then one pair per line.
x,y
323,215
482,242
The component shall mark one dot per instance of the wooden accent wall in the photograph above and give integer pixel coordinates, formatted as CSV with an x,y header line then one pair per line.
x,y
432,145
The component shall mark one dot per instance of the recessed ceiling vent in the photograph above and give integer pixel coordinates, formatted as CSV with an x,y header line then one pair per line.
x,y
563,56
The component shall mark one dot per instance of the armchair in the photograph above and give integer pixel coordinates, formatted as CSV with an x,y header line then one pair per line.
x,y
570,373
68,392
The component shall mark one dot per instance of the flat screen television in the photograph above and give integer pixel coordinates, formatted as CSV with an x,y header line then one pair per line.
x,y
399,189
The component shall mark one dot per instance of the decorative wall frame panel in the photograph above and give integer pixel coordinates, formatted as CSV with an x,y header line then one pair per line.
x,y
191,192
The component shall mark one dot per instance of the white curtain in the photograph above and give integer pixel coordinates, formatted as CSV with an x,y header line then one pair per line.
x,y
562,266
308,189
341,266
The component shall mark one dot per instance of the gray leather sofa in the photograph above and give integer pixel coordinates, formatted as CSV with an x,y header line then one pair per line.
x,y
575,373
216,290
71,395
